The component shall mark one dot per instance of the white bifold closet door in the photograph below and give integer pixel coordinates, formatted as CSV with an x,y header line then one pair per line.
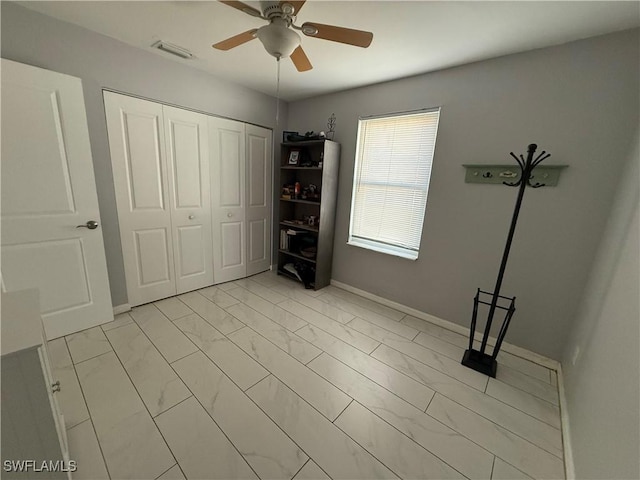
x,y
241,158
161,175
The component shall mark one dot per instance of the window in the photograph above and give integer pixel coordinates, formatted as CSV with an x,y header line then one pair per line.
x,y
391,181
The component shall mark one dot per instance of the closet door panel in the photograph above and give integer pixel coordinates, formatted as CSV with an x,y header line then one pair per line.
x,y
259,194
231,238
228,191
188,161
137,144
153,258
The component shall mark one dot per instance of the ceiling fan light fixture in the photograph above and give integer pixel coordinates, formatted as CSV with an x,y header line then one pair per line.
x,y
278,40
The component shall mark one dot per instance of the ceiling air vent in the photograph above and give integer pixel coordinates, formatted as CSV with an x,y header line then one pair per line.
x,y
173,49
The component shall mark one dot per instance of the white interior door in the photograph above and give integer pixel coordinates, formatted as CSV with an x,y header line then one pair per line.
x,y
259,195
186,134
48,189
228,198
137,144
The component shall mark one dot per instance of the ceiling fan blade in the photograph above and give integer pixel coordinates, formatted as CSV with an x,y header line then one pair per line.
x,y
300,60
359,38
243,7
232,42
297,5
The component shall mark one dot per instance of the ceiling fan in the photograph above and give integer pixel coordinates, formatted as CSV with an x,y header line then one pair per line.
x,y
280,39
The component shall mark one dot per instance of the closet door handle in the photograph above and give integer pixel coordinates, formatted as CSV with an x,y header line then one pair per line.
x,y
229,214
191,217
91,225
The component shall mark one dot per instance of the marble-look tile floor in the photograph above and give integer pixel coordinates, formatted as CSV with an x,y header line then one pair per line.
x,y
260,378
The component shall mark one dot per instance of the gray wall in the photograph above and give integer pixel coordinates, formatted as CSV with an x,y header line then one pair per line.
x,y
578,101
603,385
102,62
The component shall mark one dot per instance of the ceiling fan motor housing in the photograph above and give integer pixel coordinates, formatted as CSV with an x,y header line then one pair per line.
x,y
278,39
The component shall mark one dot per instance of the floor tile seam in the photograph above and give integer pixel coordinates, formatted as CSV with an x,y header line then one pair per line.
x,y
516,408
95,433
173,406
285,383
202,317
212,419
527,392
412,406
426,365
503,427
331,422
444,339
115,328
142,400
175,465
258,295
177,297
246,395
464,385
343,410
340,324
303,465
139,397
534,397
275,305
366,308
376,325
158,349
266,416
401,433
493,465
199,291
383,328
93,429
312,308
91,358
374,381
270,319
275,345
516,468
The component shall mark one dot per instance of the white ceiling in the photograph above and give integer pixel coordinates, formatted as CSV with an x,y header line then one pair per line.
x,y
410,37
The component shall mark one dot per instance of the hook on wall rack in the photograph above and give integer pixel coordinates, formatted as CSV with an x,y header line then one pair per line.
x,y
501,174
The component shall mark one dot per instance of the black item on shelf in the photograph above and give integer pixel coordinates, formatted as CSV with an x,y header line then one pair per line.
x,y
307,274
477,359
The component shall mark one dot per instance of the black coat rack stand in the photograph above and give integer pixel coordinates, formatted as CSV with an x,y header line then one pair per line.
x,y
477,359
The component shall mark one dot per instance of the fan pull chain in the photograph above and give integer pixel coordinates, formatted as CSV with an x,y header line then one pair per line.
x,y
278,92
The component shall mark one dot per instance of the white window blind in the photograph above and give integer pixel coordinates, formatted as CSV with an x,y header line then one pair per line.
x,y
393,167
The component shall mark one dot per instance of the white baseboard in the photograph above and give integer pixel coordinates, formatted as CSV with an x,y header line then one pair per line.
x,y
507,347
118,309
569,467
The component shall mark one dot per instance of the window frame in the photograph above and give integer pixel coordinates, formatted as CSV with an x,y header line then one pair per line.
x,y
378,245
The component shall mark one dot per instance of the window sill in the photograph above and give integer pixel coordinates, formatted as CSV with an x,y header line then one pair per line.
x,y
381,248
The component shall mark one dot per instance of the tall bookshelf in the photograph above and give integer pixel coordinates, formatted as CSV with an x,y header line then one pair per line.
x,y
307,214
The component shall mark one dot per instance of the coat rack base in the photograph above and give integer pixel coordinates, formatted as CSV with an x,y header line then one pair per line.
x,y
480,362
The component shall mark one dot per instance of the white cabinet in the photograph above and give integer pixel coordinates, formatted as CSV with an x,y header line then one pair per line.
x,y
194,197
32,425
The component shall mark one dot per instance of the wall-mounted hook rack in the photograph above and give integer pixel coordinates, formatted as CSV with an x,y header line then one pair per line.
x,y
544,175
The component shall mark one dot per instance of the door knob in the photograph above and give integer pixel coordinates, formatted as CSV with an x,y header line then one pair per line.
x,y
55,387
91,225
191,217
229,214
